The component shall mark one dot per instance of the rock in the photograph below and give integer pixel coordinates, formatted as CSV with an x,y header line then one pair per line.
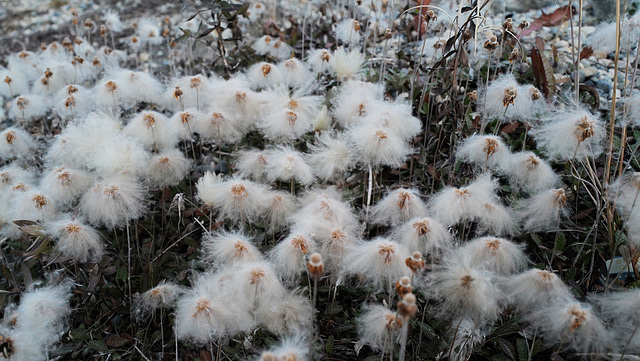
x,y
599,54
222,167
603,10
583,76
605,62
604,84
520,6
618,94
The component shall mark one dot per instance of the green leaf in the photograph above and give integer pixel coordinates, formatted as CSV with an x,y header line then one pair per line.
x,y
560,241
329,346
98,345
523,349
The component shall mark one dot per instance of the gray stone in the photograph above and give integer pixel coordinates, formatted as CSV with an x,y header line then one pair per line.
x,y
604,84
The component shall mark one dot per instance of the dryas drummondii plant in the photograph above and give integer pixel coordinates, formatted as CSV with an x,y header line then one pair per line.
x,y
336,150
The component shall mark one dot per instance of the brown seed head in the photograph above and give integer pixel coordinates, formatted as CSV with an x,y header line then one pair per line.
x,y
461,192
315,266
240,96
493,245
186,117
293,104
381,134
240,248
515,55
40,201
111,191
578,316
492,43
103,30
77,60
266,69
386,251
23,55
361,109
238,191
256,275
403,198
415,262
22,103
465,281
149,120
10,136
535,93
421,227
300,242
291,117
510,95
407,308
177,92
64,176
48,73
356,26
403,286
524,24
388,34
7,80
560,198
72,228
111,86
584,129
490,147
393,322
69,102
20,187
203,305
195,82
325,56
508,25
532,162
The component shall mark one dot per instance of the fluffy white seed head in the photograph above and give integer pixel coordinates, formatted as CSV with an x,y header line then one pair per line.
x,y
65,185
485,151
497,255
347,65
286,164
296,74
573,324
168,168
236,199
319,60
331,156
164,295
15,142
218,126
466,291
75,239
375,324
281,206
526,171
113,202
423,234
288,315
151,129
290,255
222,249
380,261
348,31
452,205
251,164
534,288
378,146
356,100
570,134
264,75
543,211
399,206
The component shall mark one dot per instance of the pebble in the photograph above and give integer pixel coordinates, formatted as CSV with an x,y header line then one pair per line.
x,y
604,84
